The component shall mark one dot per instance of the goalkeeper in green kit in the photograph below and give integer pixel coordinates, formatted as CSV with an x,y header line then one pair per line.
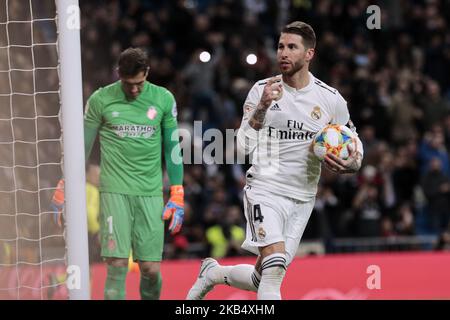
x,y
133,118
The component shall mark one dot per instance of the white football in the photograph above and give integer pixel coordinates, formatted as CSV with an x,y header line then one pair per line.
x,y
334,139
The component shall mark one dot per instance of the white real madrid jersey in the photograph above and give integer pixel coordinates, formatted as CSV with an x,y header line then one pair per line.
x,y
280,154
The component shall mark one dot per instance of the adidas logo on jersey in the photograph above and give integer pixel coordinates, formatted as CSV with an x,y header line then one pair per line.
x,y
275,107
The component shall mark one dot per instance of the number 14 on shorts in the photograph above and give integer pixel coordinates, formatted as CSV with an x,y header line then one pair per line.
x,y
257,214
257,217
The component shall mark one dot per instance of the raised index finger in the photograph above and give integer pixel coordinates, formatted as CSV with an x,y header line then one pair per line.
x,y
273,80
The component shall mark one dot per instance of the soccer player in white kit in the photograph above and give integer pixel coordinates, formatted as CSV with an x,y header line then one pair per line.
x,y
281,116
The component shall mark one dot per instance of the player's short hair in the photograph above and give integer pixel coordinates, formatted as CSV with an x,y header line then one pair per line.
x,y
302,29
132,61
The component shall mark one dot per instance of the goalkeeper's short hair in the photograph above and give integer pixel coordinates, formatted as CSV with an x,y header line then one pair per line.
x,y
132,61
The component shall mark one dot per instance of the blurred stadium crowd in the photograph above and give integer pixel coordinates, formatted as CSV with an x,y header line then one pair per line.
x,y
396,81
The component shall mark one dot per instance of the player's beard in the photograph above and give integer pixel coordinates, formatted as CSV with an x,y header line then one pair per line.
x,y
296,67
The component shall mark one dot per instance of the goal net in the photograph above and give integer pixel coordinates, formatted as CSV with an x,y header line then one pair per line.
x,y
32,247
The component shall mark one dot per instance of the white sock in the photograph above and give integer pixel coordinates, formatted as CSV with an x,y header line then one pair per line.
x,y
273,269
241,276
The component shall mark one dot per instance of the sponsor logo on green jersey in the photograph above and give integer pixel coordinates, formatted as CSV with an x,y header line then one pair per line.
x,y
134,131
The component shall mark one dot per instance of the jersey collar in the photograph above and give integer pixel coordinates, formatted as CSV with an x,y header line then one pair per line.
x,y
302,90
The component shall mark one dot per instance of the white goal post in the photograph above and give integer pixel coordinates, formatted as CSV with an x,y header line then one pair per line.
x,y
68,14
41,141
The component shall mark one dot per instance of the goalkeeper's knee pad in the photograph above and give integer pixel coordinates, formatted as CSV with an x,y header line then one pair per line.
x,y
273,269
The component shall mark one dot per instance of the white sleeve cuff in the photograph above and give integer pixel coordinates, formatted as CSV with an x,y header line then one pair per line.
x,y
247,138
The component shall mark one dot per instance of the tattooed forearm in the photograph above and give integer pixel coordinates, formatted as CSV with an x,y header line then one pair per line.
x,y
257,119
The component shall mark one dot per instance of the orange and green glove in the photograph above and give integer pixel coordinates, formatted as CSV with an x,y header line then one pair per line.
x,y
57,203
175,209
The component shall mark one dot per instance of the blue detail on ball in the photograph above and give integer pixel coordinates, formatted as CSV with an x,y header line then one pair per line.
x,y
320,138
345,137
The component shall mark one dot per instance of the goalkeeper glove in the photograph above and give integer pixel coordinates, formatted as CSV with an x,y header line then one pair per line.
x,y
175,209
57,203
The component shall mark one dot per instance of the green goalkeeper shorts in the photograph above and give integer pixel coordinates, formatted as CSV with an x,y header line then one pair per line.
x,y
131,223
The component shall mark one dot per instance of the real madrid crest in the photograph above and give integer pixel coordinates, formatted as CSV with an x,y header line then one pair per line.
x,y
261,232
316,113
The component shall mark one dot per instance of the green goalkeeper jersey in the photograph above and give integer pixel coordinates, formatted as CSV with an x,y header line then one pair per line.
x,y
130,137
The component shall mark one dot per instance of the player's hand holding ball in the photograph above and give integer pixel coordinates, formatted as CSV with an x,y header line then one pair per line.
x,y
175,209
336,147
338,165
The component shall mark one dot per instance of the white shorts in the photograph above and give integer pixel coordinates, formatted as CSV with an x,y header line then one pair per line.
x,y
272,218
